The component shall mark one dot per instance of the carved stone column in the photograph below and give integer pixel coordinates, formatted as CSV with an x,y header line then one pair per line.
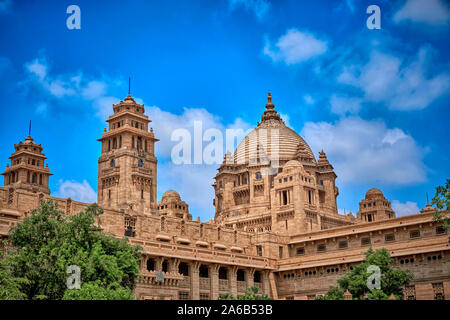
x,y
233,280
195,280
266,282
215,281
250,277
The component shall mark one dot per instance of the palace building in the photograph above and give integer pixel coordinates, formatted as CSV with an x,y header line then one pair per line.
x,y
276,223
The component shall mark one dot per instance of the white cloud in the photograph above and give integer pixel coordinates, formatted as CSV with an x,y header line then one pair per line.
x,y
164,123
404,209
343,105
367,151
259,7
58,86
82,192
192,181
38,68
402,86
434,12
295,47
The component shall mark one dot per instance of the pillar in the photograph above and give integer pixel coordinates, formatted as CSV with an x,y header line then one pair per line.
x,y
195,280
214,281
233,280
250,273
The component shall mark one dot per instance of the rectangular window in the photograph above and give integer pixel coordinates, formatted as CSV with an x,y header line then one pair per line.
x,y
365,241
183,295
414,234
300,251
440,230
280,252
321,247
259,251
343,244
389,237
204,296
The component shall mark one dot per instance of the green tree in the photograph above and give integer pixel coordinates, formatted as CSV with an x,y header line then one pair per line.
x,y
252,293
48,242
442,202
334,293
9,285
392,279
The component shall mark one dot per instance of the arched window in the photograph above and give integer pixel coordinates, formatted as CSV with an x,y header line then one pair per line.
x,y
33,178
28,176
115,143
113,163
257,277
223,273
140,163
120,141
132,142
150,264
165,266
203,271
240,275
136,125
183,268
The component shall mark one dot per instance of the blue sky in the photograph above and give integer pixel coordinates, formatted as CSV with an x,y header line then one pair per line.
x,y
376,101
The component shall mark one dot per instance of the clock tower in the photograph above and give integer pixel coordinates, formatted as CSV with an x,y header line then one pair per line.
x,y
127,165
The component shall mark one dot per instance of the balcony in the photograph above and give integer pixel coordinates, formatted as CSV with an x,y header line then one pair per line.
x,y
185,283
241,286
223,285
205,284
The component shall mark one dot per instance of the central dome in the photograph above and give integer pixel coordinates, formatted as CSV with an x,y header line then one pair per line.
x,y
259,140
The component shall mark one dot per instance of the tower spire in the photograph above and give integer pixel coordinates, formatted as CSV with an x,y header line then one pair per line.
x,y
129,85
29,129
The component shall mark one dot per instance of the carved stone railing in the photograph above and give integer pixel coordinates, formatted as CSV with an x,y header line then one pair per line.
x,y
169,278
223,285
205,283
241,286
185,283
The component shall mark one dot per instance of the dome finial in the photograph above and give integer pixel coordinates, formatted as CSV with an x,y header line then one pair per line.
x,y
269,97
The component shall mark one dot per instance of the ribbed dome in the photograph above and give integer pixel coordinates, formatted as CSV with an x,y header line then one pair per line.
x,y
374,193
260,138
170,195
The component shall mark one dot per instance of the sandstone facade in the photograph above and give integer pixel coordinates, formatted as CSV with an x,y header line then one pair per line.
x,y
276,223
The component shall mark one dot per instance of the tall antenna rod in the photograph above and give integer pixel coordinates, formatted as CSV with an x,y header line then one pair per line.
x,y
129,85
29,129
427,197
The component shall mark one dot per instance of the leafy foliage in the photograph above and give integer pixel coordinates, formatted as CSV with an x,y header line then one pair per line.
x,y
47,242
334,293
250,294
442,202
392,279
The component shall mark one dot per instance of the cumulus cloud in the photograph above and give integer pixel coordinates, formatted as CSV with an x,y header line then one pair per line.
x,y
406,208
397,83
295,47
76,191
259,7
71,85
364,151
343,105
434,12
193,183
165,123
190,180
